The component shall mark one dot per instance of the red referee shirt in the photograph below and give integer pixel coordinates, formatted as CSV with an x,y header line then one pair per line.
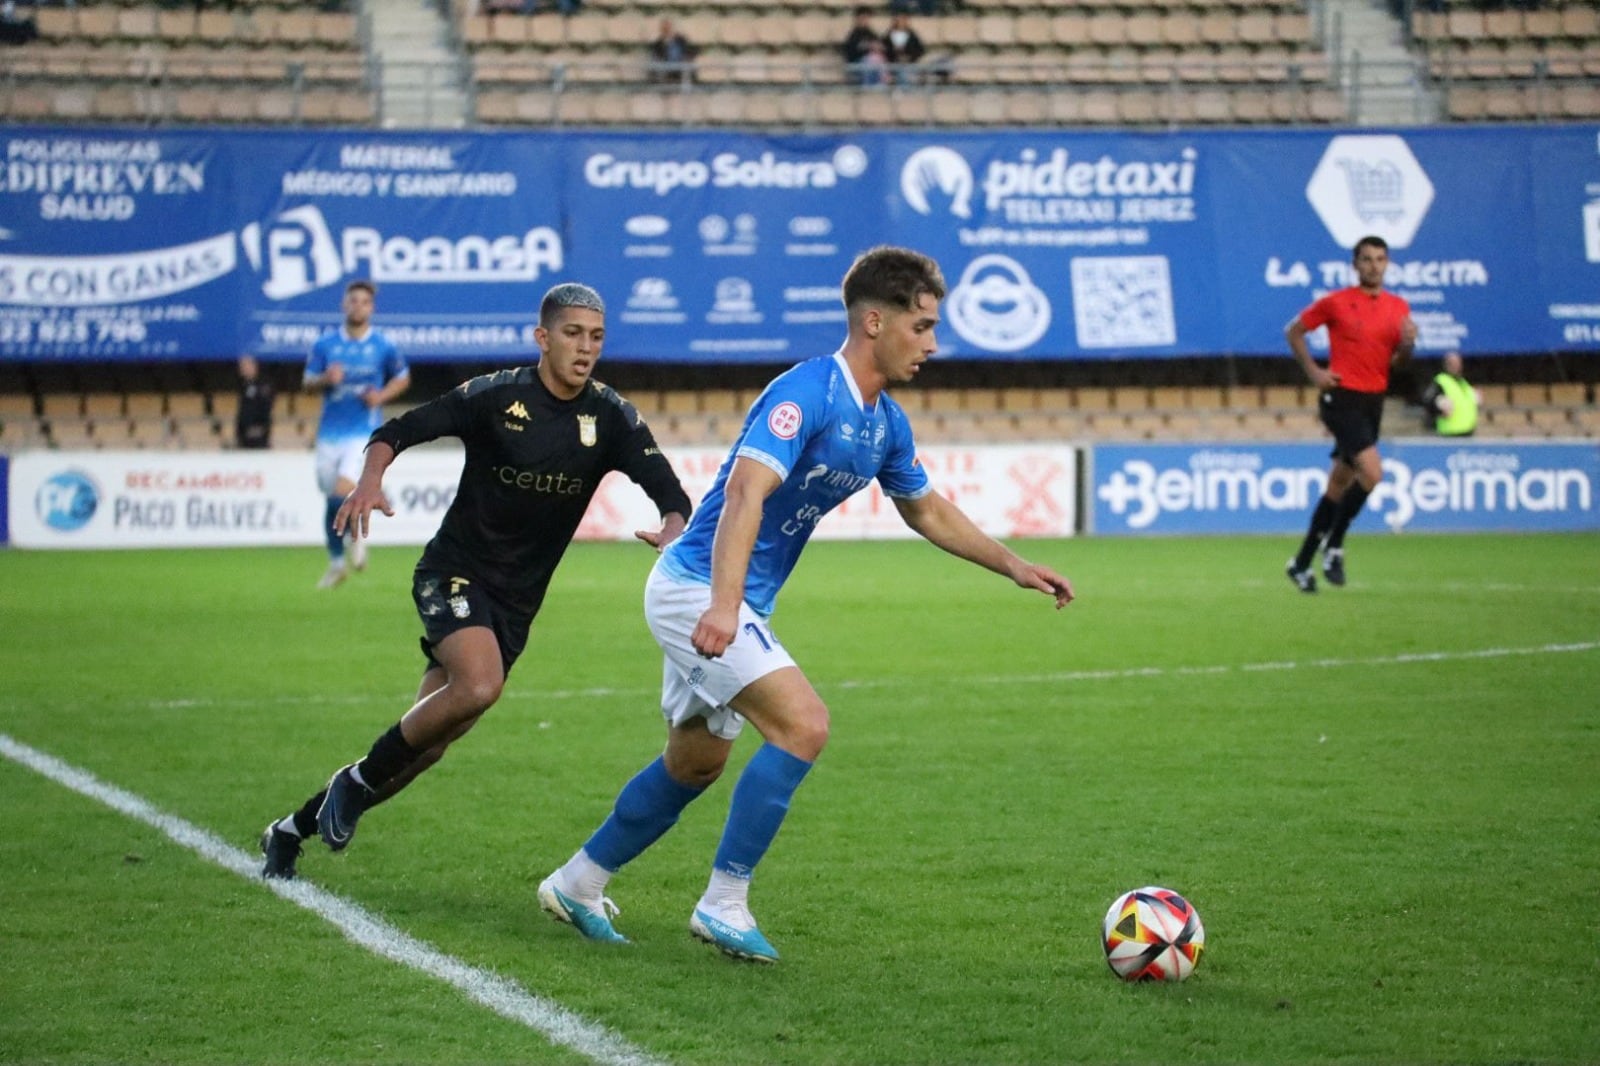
x,y
1363,333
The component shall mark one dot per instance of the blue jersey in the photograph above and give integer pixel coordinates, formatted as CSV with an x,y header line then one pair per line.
x,y
811,428
369,363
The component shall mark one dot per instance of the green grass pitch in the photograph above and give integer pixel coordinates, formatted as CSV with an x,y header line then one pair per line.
x,y
1384,800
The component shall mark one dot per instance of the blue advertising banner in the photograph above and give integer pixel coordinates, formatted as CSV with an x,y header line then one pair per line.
x,y
117,246
1428,487
461,233
720,249
728,247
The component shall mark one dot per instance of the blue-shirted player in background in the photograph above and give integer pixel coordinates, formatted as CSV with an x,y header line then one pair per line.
x,y
357,370
820,432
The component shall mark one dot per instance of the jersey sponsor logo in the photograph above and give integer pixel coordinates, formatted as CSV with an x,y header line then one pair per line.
x,y
548,484
516,410
785,419
587,434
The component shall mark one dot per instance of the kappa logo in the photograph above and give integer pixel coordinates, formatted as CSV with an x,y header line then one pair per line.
x,y
516,410
937,174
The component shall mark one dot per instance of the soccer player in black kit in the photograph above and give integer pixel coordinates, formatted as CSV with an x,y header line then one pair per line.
x,y
538,440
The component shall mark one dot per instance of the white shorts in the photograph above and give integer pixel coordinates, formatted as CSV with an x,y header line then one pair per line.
x,y
692,685
339,459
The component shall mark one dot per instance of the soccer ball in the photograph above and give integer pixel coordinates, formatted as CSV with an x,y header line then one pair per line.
x,y
1153,934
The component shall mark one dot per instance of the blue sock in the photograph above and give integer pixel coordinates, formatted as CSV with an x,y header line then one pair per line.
x,y
760,802
646,807
335,542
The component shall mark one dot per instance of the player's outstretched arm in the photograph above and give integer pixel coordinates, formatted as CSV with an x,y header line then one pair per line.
x,y
944,524
355,512
672,524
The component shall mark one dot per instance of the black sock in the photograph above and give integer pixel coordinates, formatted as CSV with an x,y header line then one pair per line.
x,y
305,819
1355,497
1321,521
389,755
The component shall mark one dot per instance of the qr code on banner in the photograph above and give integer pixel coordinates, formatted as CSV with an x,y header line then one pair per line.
x,y
1123,301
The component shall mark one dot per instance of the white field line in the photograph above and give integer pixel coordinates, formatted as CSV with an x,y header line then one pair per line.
x,y
501,995
1126,673
1403,659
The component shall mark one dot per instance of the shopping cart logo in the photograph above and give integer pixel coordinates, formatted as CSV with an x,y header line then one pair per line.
x,y
1377,191
1370,184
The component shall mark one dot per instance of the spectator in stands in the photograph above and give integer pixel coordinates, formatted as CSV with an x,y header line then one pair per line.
x,y
15,26
902,47
252,426
863,50
1450,402
710,599
1369,331
672,55
538,442
357,370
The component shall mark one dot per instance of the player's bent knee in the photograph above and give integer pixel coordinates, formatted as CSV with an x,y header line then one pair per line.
x,y
474,695
807,736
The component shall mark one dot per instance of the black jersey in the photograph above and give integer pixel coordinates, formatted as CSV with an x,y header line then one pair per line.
x,y
533,463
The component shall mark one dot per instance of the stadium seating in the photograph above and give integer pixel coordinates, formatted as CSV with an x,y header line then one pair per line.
x,y
1513,63
1137,63
201,420
1149,63
147,64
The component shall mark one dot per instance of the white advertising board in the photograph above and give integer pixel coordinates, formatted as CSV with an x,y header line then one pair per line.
x,y
102,499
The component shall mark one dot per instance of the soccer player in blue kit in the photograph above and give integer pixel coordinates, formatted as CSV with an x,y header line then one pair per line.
x,y
821,432
357,370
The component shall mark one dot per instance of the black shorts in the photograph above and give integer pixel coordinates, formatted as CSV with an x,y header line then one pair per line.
x,y
447,603
1353,418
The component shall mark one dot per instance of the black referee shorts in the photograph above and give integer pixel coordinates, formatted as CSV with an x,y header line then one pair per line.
x,y
1353,418
447,603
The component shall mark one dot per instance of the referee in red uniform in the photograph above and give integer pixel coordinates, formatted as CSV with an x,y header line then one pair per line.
x,y
1370,331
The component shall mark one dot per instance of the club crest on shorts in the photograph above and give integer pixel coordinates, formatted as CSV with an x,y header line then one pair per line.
x,y
587,435
460,607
